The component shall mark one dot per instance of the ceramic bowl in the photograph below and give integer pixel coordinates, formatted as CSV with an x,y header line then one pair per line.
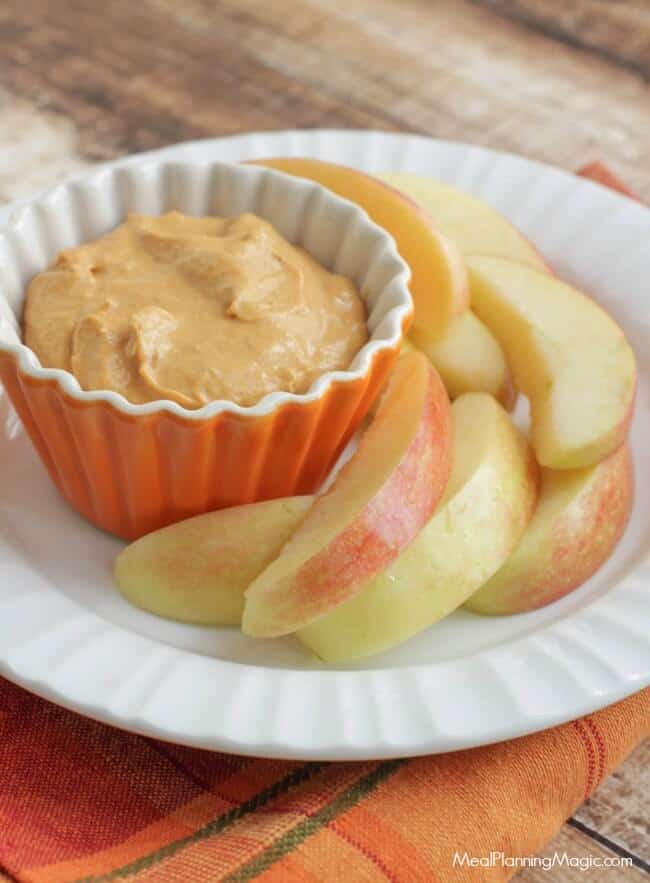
x,y
131,468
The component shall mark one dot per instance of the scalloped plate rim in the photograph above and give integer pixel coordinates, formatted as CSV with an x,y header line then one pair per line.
x,y
366,739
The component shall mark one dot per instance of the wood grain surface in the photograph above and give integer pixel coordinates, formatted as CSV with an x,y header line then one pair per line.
x,y
133,76
564,81
619,32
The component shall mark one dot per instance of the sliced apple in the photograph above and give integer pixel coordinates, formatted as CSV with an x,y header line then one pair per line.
x,y
197,570
469,359
489,499
376,506
566,354
580,517
471,224
408,346
439,280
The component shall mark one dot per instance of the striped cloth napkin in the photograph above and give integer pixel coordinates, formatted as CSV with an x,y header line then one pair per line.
x,y
80,801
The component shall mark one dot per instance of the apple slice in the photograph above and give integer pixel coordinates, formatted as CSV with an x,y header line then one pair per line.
x,y
197,570
566,354
469,359
376,506
471,224
439,280
580,517
489,499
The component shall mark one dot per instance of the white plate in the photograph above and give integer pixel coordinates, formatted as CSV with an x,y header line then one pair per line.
x,y
66,634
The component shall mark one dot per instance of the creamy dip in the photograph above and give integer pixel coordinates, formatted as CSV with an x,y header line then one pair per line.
x,y
193,309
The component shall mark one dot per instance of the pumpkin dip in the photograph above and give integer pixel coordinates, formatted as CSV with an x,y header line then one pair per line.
x,y
192,310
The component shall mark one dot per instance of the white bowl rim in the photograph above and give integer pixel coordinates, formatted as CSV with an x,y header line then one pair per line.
x,y
29,365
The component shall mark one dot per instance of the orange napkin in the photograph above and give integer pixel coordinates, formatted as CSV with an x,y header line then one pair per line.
x,y
83,801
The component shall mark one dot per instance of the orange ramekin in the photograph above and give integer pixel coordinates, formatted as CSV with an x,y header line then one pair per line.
x,y
130,469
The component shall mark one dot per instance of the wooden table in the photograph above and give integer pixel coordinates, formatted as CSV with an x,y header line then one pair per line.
x,y
557,80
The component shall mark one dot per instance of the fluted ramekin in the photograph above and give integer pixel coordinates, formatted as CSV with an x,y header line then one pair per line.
x,y
132,468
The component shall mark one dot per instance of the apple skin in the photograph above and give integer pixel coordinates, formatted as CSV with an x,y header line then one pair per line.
x,y
439,284
489,500
197,570
470,223
580,517
467,355
469,359
376,506
566,354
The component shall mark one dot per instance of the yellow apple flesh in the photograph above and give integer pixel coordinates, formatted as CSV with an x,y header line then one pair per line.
x,y
439,279
488,502
197,570
580,517
471,224
470,359
376,506
566,354
466,354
